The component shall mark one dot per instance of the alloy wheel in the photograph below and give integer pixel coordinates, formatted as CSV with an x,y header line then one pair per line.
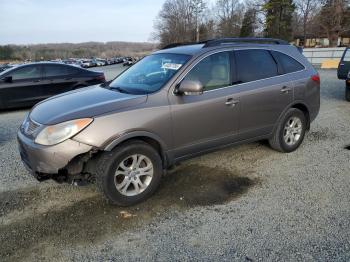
x,y
133,175
292,131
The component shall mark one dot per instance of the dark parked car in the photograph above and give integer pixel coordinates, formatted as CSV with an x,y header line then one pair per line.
x,y
343,71
28,84
175,104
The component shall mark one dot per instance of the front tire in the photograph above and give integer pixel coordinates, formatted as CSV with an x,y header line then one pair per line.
x,y
130,173
290,131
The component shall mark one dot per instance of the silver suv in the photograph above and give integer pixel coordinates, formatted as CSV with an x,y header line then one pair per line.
x,y
175,104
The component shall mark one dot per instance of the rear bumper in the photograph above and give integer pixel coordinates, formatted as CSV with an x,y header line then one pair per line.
x,y
47,160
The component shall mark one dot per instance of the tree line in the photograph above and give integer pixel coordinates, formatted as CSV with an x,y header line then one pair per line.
x,y
195,20
40,52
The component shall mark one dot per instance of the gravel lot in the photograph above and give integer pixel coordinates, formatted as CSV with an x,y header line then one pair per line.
x,y
243,203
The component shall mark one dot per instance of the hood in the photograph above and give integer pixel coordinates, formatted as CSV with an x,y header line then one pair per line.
x,y
86,102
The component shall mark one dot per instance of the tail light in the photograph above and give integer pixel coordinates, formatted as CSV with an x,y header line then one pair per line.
x,y
316,78
101,78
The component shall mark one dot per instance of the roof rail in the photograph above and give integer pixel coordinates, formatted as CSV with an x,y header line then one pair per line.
x,y
182,44
232,40
253,40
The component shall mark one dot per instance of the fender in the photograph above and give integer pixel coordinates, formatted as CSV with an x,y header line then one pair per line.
x,y
111,144
133,134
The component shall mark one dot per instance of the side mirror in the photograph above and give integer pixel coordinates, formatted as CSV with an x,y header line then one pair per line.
x,y
190,87
7,79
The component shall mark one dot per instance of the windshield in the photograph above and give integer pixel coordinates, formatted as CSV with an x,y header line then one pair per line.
x,y
4,70
150,74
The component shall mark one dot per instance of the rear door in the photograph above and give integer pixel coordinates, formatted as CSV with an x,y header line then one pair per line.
x,y
25,88
59,79
344,65
265,93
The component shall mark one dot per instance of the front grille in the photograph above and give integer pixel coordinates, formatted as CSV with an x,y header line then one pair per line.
x,y
29,127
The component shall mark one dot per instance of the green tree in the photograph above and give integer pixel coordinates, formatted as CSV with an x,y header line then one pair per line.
x,y
279,16
248,23
6,52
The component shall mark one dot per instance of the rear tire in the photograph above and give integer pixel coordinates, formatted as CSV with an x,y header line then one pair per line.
x,y
347,93
130,173
290,131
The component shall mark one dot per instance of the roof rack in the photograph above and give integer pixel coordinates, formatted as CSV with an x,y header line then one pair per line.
x,y
232,40
181,44
240,40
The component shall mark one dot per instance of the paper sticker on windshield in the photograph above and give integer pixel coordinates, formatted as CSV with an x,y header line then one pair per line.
x,y
171,66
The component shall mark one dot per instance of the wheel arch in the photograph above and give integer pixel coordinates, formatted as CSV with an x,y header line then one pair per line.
x,y
302,107
147,137
298,105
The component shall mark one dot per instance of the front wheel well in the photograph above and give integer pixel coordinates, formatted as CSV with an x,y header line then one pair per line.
x,y
305,110
150,141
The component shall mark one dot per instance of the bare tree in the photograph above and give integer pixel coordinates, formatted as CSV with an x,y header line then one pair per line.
x,y
229,15
180,21
307,10
334,19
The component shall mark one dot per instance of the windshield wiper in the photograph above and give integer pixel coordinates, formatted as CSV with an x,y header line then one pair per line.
x,y
119,89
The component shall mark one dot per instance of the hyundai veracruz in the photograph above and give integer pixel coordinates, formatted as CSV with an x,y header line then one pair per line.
x,y
177,103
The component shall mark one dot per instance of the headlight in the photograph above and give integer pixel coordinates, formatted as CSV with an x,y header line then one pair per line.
x,y
55,134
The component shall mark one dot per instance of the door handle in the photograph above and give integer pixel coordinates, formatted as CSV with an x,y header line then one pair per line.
x,y
37,81
286,90
231,102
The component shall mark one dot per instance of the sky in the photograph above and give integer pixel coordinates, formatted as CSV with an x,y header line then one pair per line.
x,y
75,21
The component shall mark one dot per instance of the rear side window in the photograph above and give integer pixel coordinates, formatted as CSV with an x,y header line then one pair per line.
x,y
347,55
26,72
58,70
254,65
289,64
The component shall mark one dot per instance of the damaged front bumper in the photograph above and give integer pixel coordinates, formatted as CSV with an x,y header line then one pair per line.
x,y
50,162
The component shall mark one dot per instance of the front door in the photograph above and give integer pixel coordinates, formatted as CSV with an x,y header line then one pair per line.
x,y
344,65
201,122
25,88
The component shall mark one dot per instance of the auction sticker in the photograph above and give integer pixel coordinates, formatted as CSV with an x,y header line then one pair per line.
x,y
171,66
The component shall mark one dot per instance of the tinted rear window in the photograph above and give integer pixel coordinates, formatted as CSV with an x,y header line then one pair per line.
x,y
289,64
58,70
254,65
347,56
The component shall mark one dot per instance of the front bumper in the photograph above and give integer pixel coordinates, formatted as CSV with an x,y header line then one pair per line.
x,y
40,160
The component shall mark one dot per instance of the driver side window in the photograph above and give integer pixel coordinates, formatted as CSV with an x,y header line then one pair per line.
x,y
213,71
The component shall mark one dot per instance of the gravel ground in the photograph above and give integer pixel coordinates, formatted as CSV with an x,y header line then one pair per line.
x,y
242,203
